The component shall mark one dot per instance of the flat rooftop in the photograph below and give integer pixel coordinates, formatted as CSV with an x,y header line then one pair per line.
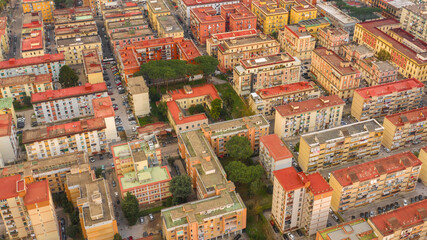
x,y
134,33
202,210
250,40
349,230
127,23
91,61
339,64
270,60
374,169
301,32
418,9
137,85
286,89
137,151
169,24
389,88
203,2
331,10
399,3
206,15
291,180
41,168
68,42
236,125
32,20
76,30
33,42
276,147
310,105
314,22
238,11
188,49
6,103
234,34
340,132
51,95
131,180
26,80
269,7
158,6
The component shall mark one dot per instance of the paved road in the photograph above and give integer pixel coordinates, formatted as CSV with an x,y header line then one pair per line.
x,y
15,28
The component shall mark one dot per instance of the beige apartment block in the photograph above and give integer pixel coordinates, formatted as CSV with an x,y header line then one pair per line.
x,y
297,41
331,147
138,96
316,114
389,98
354,229
92,66
413,20
72,48
274,155
405,129
300,201
372,181
265,100
333,73
407,222
257,73
169,27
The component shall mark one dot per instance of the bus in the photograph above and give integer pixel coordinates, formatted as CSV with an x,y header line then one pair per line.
x,y
108,61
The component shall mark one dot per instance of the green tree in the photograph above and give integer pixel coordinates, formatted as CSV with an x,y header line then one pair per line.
x,y
73,231
27,100
256,187
68,77
130,208
98,172
16,104
117,236
216,106
239,147
207,64
196,109
383,55
154,94
162,112
180,187
296,148
239,172
227,99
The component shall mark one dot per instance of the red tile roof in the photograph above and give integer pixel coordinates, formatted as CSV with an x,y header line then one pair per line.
x,y
34,42
237,11
37,192
103,107
388,88
235,34
290,179
154,42
203,2
285,89
50,95
47,58
9,186
412,116
336,61
276,147
126,14
5,124
189,49
318,184
373,28
154,128
128,58
373,169
401,218
206,15
26,79
207,89
175,112
296,108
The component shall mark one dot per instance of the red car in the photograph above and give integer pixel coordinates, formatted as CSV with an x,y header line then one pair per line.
x,y
110,93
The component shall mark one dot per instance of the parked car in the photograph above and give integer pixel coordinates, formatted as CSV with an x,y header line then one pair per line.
x,y
114,183
92,159
151,217
101,157
291,236
141,220
405,202
120,128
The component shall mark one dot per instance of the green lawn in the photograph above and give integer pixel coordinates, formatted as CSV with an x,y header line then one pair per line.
x,y
239,108
146,120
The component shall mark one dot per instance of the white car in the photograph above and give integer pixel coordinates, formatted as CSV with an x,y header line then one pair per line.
x,y
405,202
134,129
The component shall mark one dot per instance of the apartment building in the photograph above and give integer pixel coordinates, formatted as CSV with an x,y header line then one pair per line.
x,y
32,43
73,17
219,216
274,155
334,74
178,101
127,12
8,140
371,181
155,9
255,73
67,103
251,127
53,169
120,39
231,51
46,7
204,22
138,96
407,53
238,17
333,38
6,107
4,39
184,7
297,41
389,98
87,135
413,19
215,40
271,17
49,63
169,27
393,7
330,147
72,48
354,229
337,17
126,25
316,114
92,66
406,222
27,209
19,87
139,170
92,197
300,201
314,25
423,158
302,10
188,51
404,128
374,71
74,31
265,100
127,62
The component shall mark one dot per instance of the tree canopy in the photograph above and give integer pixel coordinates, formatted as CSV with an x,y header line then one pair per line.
x,y
383,55
196,109
117,236
180,187
239,172
130,208
207,64
216,106
239,147
68,77
163,70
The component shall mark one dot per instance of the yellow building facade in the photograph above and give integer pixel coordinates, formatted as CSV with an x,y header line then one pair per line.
x,y
72,48
423,159
301,11
270,16
157,8
46,7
